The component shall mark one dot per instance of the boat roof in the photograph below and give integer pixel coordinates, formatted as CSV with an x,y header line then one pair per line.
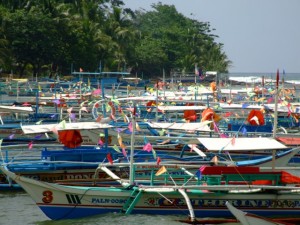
x,y
15,109
136,98
182,126
44,128
181,108
240,144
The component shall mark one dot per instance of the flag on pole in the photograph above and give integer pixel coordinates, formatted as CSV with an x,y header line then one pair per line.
x,y
30,144
161,171
109,158
233,141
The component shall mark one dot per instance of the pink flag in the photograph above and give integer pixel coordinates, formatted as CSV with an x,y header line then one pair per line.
x,y
147,147
124,152
69,110
269,100
84,109
96,92
233,141
130,127
223,136
30,144
100,142
54,130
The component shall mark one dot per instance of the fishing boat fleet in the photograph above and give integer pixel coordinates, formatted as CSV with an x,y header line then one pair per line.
x,y
205,151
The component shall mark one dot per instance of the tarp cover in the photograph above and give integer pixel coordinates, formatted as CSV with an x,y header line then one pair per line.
x,y
70,138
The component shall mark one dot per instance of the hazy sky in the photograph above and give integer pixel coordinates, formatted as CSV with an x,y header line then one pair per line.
x,y
258,35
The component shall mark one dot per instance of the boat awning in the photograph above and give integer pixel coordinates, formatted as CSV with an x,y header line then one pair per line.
x,y
15,109
181,108
44,128
137,98
239,106
241,144
182,126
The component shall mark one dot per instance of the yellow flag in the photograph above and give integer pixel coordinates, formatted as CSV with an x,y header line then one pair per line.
x,y
215,160
161,171
137,127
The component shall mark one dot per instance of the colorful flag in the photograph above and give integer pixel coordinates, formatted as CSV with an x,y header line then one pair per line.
x,y
200,171
63,124
215,160
153,153
137,127
124,152
161,171
54,130
130,127
115,147
100,142
80,69
158,161
233,141
244,131
147,147
38,136
69,110
30,144
109,158
39,122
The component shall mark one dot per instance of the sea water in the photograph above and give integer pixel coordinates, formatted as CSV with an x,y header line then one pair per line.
x,y
17,208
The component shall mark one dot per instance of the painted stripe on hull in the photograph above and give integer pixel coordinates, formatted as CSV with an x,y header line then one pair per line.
x,y
57,212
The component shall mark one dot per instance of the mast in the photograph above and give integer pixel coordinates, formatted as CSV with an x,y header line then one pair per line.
x,y
275,118
131,171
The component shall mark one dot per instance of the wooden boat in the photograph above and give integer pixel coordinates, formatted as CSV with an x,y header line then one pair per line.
x,y
205,197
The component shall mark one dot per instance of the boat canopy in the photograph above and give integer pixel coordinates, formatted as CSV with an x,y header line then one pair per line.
x,y
182,126
241,144
15,109
44,128
181,108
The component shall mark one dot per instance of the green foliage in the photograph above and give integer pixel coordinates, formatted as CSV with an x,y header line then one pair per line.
x,y
48,36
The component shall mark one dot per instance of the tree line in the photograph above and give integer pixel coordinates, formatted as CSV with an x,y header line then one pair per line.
x,y
46,37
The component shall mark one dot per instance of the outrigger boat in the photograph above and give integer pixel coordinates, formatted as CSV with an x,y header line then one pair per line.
x,y
201,194
247,188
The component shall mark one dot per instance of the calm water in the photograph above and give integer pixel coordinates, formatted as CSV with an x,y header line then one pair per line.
x,y
18,208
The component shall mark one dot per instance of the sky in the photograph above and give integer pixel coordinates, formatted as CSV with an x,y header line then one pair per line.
x,y
258,35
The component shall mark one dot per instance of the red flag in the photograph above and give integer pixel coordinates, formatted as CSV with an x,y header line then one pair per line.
x,y
109,158
158,161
